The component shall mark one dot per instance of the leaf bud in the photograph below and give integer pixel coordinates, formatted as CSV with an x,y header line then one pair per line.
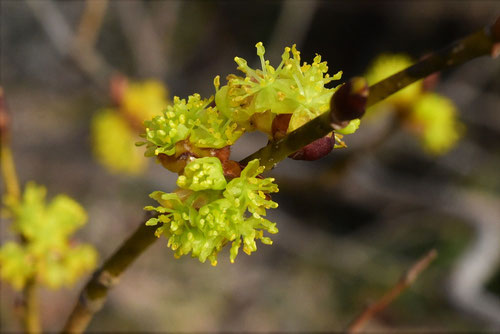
x,y
349,102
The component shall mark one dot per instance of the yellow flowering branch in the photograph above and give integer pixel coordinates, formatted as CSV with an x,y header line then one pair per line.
x,y
483,42
349,102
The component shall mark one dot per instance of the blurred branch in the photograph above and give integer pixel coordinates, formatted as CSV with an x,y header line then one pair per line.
x,y
30,316
63,39
480,43
479,262
30,307
90,23
9,174
145,43
165,17
291,26
405,281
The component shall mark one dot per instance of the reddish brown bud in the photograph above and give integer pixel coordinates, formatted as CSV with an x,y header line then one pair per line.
x,y
430,82
222,153
4,118
349,101
315,150
173,163
280,124
231,169
117,87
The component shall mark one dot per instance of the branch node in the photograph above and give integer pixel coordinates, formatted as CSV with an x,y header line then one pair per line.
x,y
349,102
107,280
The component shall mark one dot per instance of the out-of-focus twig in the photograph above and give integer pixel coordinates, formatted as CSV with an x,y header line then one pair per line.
x,y
405,281
9,174
292,25
30,314
31,307
90,23
62,37
165,17
479,262
145,43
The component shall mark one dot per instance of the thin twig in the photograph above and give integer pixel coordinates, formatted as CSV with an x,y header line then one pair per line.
x,y
90,24
9,174
406,280
472,46
291,27
146,45
95,291
62,37
30,315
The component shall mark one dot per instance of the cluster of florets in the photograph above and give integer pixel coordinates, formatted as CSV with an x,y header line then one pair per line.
x,y
115,130
219,200
46,253
429,116
209,212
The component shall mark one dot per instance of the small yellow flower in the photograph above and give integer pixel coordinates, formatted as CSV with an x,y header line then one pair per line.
x,y
47,252
433,118
144,100
386,65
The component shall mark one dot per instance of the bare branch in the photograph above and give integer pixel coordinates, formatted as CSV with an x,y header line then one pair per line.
x,y
405,281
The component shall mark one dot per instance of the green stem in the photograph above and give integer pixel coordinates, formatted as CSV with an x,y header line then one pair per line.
x,y
31,316
9,174
95,291
472,46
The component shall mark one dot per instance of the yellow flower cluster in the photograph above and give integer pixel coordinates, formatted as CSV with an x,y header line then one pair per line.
x,y
220,203
213,212
115,130
46,252
429,116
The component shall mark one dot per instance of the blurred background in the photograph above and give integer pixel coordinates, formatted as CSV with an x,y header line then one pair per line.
x,y
350,224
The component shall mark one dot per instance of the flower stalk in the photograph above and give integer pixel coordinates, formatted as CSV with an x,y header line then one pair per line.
x,y
30,315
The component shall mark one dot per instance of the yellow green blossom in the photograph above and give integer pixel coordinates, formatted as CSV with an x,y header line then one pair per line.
x,y
206,220
434,119
113,143
46,253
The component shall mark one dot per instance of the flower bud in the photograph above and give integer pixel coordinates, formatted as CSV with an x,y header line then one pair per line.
x,y
315,150
279,127
118,86
231,169
349,102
